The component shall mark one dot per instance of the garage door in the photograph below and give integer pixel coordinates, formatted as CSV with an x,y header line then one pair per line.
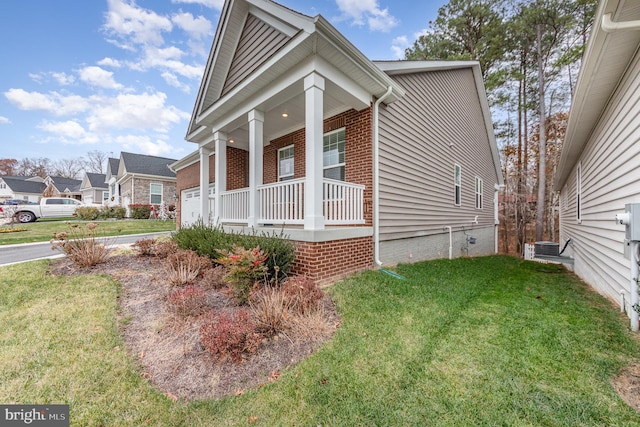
x,y
189,206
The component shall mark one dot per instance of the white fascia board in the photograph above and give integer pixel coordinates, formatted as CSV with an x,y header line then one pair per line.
x,y
408,67
193,136
336,76
272,14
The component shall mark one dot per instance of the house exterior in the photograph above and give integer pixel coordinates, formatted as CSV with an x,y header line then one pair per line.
x,y
597,173
94,188
57,186
361,163
111,178
22,188
143,179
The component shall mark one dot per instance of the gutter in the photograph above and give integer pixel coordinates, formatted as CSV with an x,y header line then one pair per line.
x,y
376,176
609,26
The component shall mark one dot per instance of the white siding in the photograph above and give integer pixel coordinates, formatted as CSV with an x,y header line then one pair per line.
x,y
437,124
610,179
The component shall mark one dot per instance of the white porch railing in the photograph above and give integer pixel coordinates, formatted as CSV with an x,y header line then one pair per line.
x,y
235,205
282,202
343,202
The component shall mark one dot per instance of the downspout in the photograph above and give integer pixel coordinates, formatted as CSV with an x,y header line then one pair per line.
x,y
450,241
609,26
376,177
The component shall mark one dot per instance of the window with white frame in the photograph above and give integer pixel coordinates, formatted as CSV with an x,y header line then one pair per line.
x,y
333,155
285,163
457,185
105,196
579,192
155,191
478,193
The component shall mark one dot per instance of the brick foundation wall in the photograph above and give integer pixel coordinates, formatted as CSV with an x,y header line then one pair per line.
x,y
325,262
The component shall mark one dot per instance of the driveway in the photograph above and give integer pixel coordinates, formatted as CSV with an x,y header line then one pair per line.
x,y
13,254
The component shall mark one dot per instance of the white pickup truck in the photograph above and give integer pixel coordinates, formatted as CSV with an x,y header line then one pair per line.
x,y
49,207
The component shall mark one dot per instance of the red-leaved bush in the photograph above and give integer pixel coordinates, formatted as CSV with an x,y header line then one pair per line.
x,y
188,301
230,334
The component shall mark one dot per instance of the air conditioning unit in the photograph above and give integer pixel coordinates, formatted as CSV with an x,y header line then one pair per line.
x,y
547,248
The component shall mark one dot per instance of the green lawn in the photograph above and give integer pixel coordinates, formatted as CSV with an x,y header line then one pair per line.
x,y
43,230
475,341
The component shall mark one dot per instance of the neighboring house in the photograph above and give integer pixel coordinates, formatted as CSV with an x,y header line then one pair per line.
x,y
94,188
111,179
57,186
599,169
359,162
21,187
145,180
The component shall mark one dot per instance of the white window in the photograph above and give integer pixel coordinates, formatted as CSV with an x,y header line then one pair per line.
x,y
285,163
105,196
155,191
333,155
478,193
457,185
579,192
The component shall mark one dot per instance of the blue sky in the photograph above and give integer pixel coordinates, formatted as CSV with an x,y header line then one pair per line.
x,y
122,75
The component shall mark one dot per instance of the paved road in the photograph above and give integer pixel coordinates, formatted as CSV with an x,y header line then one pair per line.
x,y
13,254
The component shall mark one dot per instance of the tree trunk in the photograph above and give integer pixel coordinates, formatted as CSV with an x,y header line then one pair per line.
x,y
542,162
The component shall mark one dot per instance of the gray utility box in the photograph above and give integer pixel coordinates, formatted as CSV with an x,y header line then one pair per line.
x,y
547,248
632,230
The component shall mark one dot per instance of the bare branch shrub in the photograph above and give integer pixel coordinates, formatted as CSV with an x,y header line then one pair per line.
x,y
81,245
184,266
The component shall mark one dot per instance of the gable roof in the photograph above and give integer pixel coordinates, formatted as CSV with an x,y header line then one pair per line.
x,y
285,44
112,167
409,67
94,180
131,163
20,184
604,63
66,184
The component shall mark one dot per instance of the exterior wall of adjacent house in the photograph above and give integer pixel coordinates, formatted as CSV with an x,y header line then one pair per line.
x,y
609,179
438,124
93,195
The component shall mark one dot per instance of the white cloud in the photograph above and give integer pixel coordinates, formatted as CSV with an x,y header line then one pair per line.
x,y
96,76
196,27
4,121
214,4
126,20
144,144
63,79
398,46
52,102
361,11
110,62
68,132
168,59
172,80
131,111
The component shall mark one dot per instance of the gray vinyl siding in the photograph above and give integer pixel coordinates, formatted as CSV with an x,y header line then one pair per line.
x,y
258,42
610,179
439,123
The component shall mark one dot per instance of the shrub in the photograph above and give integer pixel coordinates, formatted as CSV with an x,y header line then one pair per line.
x,y
145,247
139,211
214,243
81,245
230,334
188,301
87,213
244,268
115,212
164,248
270,310
184,266
301,293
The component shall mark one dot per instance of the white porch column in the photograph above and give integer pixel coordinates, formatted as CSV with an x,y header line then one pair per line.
x,y
314,101
220,139
204,184
256,148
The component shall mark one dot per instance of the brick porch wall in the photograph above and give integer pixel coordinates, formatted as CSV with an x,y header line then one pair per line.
x,y
358,153
325,262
